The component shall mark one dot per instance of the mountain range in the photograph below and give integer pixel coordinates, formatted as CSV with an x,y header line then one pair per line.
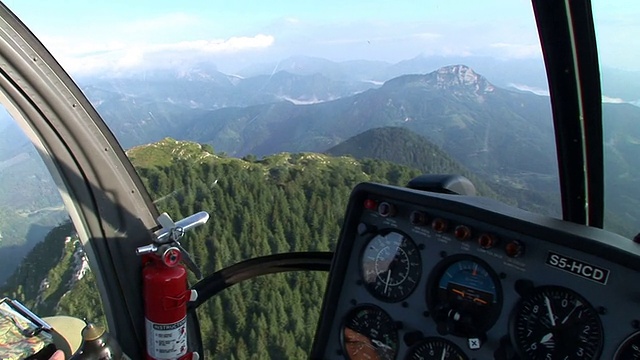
x,y
502,136
307,104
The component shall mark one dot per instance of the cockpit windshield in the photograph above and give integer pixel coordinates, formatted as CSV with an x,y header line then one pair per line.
x,y
464,85
266,114
617,48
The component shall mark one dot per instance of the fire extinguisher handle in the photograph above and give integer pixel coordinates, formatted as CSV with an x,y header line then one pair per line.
x,y
171,231
186,258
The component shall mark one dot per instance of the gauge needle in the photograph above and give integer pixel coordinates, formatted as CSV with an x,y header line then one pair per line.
x,y
386,283
578,303
459,292
545,339
547,302
444,354
380,344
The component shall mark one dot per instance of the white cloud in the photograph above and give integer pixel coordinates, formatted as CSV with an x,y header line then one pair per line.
x,y
545,92
611,100
159,23
518,51
531,89
419,36
240,43
89,58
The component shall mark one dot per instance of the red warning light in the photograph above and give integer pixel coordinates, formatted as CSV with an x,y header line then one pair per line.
x,y
439,225
514,248
462,232
487,241
370,204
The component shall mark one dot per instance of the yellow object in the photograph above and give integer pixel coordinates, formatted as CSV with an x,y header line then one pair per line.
x,y
67,334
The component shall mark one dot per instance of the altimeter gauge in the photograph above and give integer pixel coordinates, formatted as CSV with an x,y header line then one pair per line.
x,y
553,322
391,266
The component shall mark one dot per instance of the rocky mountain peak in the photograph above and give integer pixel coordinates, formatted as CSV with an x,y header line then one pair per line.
x,y
459,80
456,76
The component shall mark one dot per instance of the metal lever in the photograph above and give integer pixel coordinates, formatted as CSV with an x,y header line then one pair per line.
x,y
170,234
171,231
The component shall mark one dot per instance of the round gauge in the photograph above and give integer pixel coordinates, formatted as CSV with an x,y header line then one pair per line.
x,y
553,322
368,332
391,266
629,349
437,349
464,295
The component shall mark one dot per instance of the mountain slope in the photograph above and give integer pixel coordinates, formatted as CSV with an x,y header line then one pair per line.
x,y
492,131
404,147
284,202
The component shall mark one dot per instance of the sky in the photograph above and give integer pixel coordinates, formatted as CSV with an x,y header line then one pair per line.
x,y
91,36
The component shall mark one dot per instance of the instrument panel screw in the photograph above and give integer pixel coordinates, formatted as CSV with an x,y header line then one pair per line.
x,y
405,304
635,324
503,275
443,254
602,310
426,314
353,301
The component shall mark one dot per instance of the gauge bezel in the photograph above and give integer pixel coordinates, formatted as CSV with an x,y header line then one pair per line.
x,y
359,307
415,271
541,289
429,339
438,272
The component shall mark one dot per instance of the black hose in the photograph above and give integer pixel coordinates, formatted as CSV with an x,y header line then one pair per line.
x,y
249,269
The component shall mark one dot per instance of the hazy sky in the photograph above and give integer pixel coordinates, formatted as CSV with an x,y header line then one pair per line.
x,y
87,36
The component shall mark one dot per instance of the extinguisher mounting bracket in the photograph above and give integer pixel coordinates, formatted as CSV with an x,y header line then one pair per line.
x,y
169,235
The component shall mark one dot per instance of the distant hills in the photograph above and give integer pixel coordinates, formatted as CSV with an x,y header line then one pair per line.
x,y
303,104
501,134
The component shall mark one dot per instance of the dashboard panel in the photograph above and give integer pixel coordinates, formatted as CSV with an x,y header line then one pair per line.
x,y
420,275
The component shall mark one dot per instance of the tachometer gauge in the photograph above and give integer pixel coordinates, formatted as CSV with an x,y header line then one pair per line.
x,y
464,295
368,332
629,349
553,322
391,266
435,348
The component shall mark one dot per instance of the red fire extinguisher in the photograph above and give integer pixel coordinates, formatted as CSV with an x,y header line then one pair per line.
x,y
166,291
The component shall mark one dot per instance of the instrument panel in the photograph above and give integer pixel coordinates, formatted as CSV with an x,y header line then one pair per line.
x,y
419,275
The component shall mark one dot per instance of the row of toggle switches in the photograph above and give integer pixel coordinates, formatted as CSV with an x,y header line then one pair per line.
x,y
513,248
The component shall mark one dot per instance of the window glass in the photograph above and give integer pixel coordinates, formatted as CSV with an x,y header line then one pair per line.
x,y
266,114
43,259
616,25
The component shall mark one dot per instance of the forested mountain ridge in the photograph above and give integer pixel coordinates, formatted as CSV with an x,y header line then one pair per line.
x,y
279,203
404,147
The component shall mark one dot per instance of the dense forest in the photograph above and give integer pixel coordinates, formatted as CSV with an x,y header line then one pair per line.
x,y
284,202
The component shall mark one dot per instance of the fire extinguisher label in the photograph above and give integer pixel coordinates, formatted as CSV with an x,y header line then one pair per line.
x,y
167,341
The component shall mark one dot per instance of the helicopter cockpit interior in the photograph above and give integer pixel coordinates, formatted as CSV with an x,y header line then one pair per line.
x,y
428,270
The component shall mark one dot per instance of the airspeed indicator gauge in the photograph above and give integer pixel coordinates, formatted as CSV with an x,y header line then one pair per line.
x,y
391,266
